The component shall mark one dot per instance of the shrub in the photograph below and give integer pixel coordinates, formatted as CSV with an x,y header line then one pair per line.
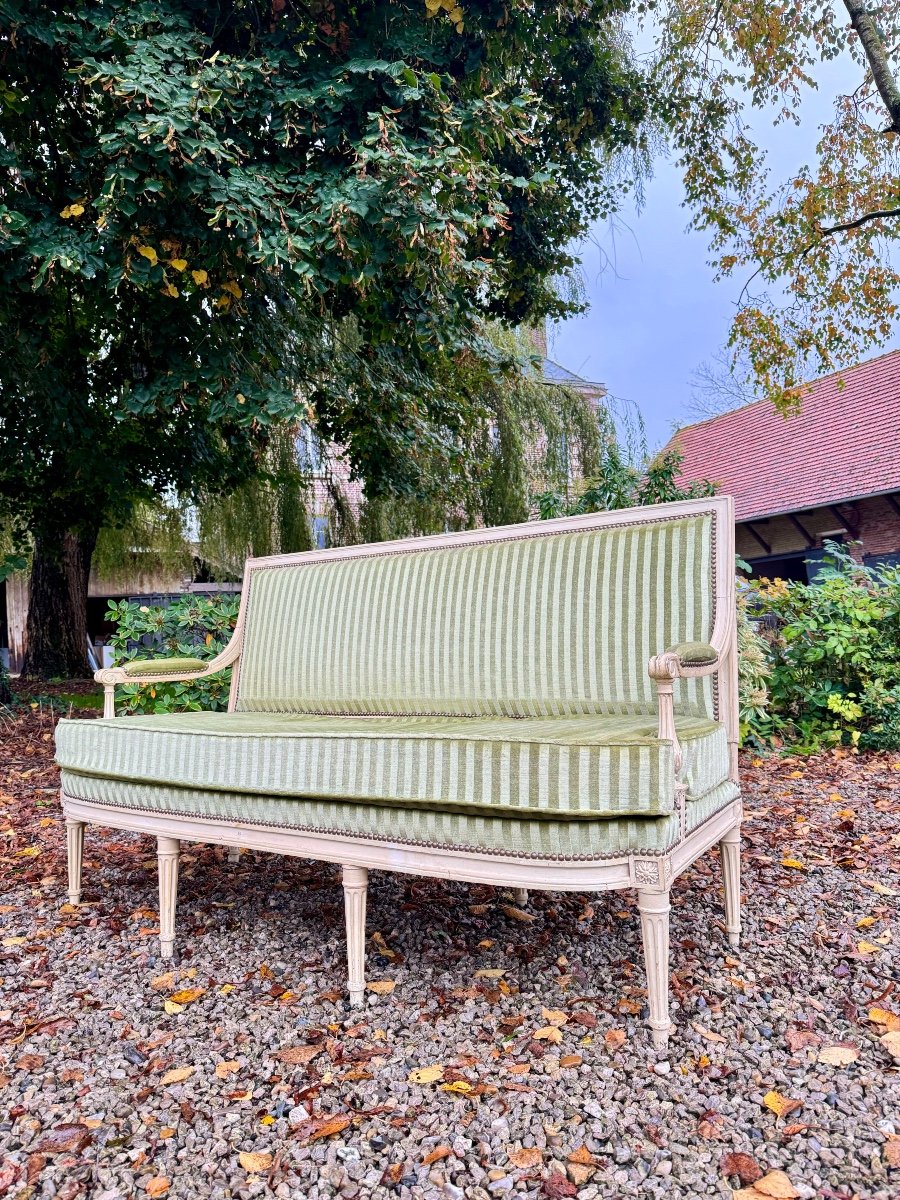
x,y
188,627
834,655
753,676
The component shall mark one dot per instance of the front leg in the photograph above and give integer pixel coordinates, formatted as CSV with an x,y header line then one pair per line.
x,y
356,882
167,853
730,850
654,909
75,847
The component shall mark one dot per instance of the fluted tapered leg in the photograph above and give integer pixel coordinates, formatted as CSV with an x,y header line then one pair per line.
x,y
654,910
521,895
167,850
356,882
730,849
75,847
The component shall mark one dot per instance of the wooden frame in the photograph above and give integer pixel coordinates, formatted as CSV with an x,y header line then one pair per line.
x,y
650,873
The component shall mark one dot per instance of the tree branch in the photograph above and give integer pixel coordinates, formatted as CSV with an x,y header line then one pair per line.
x,y
869,216
876,52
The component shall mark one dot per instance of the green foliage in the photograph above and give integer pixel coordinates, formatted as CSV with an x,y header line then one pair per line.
x,y
620,484
189,627
754,673
833,648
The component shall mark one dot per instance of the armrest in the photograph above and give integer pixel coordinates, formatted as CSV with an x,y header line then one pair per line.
x,y
138,668
686,660
161,670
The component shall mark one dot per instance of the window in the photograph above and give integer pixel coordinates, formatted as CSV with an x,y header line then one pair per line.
x,y
309,450
320,533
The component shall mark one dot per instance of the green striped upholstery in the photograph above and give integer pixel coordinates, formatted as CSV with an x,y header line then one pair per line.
x,y
510,836
580,767
542,625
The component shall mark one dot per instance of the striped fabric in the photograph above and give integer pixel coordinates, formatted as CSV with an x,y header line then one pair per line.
x,y
412,826
538,626
582,768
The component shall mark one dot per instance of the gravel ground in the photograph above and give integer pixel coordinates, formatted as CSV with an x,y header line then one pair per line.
x,y
238,1070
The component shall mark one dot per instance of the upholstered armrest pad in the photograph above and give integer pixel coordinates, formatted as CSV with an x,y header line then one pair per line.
x,y
163,666
695,654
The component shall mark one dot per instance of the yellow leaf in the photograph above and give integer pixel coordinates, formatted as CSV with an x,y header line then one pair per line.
x,y
169,289
28,852
865,922
883,890
224,1069
777,1185
172,1008
226,989
891,1043
795,863
795,775
382,987
426,1074
884,1016
517,914
554,1016
177,1074
149,253
223,302
459,1087
199,277
233,288
255,1161
549,1033
490,973
268,1119
780,1105
188,995
15,941
868,948
178,264
167,1132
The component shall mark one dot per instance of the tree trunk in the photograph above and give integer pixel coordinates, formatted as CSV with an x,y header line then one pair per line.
x,y
56,628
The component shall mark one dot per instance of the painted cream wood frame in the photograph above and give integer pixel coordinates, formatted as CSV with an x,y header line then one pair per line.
x,y
650,874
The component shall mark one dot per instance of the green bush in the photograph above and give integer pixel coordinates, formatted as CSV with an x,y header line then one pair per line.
x,y
753,676
189,627
833,649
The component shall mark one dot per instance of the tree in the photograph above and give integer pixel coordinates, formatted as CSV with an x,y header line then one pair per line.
x,y
817,250
216,218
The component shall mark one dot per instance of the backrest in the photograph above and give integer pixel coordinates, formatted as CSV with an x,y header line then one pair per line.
x,y
545,619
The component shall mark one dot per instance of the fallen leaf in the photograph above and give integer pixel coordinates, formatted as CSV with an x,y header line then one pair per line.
x,y
157,1186
838,1056
614,1039
162,983
868,948
177,1075
744,1166
781,1105
323,1127
549,1033
571,1060
490,973
458,1086
883,890
865,922
187,995
436,1155
777,1185
30,1062
426,1074
298,1055
556,1186
799,1039
15,941
707,1033
528,1156
891,1043
794,863
582,1155
516,914
172,1008
554,1016
382,987
64,1138
892,1152
224,1069
255,1161
884,1016
793,1129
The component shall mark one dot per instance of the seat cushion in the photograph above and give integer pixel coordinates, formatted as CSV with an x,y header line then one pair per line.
x,y
581,768
546,839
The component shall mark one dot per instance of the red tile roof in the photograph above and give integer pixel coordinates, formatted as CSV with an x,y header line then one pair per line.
x,y
842,445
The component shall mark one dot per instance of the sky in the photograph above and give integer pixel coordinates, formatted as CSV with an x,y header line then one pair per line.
x,y
656,313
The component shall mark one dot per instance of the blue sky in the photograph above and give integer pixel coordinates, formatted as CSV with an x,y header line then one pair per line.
x,y
655,311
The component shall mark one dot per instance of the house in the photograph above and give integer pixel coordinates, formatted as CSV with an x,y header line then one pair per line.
x,y
830,471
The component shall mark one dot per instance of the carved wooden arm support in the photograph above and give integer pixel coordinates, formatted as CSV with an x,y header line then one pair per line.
x,y
153,670
686,661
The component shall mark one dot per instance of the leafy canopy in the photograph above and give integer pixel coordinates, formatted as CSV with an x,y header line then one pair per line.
x,y
215,218
817,249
